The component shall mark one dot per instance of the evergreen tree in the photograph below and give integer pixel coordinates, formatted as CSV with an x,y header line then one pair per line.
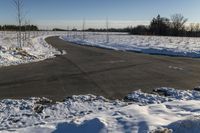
x,y
160,26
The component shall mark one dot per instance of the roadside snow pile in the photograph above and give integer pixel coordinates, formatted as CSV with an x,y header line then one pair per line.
x,y
174,46
39,48
96,114
145,98
34,49
163,94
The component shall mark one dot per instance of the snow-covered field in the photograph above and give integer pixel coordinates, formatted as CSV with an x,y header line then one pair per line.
x,y
177,111
34,49
174,46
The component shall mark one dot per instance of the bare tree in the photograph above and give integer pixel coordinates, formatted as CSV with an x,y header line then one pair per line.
x,y
178,22
19,11
197,27
191,27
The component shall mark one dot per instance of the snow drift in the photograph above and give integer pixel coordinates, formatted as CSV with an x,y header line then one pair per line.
x,y
97,114
33,50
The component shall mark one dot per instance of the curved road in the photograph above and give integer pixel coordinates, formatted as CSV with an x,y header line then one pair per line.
x,y
85,70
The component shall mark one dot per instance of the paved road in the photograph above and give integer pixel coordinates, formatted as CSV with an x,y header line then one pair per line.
x,y
84,70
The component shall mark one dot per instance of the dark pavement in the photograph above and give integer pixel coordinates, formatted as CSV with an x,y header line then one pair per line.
x,y
90,70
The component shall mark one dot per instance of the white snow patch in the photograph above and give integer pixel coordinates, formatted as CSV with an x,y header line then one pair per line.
x,y
176,68
174,46
179,111
163,94
186,126
33,49
89,126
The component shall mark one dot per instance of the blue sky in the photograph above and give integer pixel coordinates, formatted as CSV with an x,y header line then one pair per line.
x,y
60,13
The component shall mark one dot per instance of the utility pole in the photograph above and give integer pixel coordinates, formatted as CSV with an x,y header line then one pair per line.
x,y
29,29
26,29
67,31
4,30
83,29
107,28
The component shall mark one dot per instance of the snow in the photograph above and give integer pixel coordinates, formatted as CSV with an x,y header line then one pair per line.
x,y
164,110
186,125
36,49
179,112
33,50
173,46
166,94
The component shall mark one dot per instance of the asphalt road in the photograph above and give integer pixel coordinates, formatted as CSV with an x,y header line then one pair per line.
x,y
90,70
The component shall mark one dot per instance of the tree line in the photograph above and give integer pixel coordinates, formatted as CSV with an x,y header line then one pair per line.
x,y
162,26
109,30
16,28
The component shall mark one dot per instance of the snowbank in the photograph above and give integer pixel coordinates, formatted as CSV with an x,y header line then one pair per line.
x,y
173,46
97,114
164,94
33,50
